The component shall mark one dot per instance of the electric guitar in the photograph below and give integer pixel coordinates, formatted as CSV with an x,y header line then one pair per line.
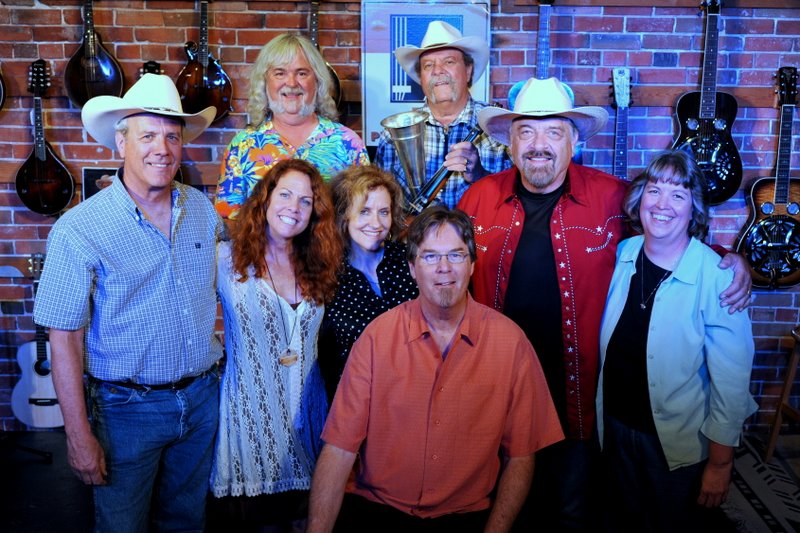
x,y
771,239
43,183
705,120
92,70
621,78
336,88
543,55
203,82
33,400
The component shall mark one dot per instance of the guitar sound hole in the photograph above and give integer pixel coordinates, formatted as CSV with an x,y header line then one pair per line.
x,y
793,208
768,208
42,367
720,124
692,124
773,247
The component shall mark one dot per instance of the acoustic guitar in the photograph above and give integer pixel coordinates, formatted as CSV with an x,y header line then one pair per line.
x,y
203,82
43,183
621,78
2,91
33,400
705,120
92,70
336,88
770,240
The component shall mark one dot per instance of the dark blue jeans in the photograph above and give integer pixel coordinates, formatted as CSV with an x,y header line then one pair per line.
x,y
158,447
643,493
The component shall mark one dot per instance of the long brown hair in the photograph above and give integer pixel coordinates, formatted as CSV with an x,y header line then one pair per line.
x,y
316,252
350,190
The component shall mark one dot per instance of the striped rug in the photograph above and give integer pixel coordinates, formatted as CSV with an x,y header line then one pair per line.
x,y
764,497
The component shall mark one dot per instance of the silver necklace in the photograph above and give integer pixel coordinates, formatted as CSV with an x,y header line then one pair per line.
x,y
643,304
289,356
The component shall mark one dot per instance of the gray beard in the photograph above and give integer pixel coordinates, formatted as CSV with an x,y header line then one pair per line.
x,y
277,107
432,98
446,298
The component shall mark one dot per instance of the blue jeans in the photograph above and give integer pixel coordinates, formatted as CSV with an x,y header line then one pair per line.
x,y
158,447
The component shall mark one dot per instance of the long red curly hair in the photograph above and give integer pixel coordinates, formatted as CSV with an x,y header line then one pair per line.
x,y
316,252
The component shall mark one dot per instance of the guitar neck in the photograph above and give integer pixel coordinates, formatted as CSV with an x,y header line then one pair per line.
x,y
203,47
621,144
784,155
38,129
313,24
708,98
90,41
543,43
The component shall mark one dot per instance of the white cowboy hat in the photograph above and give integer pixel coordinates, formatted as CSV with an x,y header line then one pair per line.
x,y
153,93
539,99
442,35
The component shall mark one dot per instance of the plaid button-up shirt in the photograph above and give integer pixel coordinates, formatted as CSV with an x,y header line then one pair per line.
x,y
438,140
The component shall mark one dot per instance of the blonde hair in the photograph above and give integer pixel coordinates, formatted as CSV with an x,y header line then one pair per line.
x,y
279,52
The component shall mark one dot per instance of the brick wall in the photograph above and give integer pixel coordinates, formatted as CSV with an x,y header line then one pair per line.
x,y
662,46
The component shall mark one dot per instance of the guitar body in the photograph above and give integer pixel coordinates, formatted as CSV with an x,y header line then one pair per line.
x,y
201,87
711,143
771,239
88,76
2,91
45,186
33,400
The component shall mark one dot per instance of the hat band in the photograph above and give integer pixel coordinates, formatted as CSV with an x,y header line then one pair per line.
x,y
167,109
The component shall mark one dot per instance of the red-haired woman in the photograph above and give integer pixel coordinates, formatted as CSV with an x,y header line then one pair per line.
x,y
273,279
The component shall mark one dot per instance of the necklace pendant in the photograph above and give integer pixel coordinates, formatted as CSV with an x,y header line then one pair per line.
x,y
289,358
643,306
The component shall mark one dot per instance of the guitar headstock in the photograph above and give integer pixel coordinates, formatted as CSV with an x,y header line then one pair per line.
x,y
150,67
712,6
35,265
38,77
787,86
621,78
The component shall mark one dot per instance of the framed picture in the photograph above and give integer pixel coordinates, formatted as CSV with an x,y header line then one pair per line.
x,y
389,24
96,179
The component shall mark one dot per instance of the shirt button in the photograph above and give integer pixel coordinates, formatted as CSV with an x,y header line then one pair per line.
x,y
434,457
437,422
516,223
441,389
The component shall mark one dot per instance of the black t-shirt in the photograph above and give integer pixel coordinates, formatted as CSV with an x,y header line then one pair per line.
x,y
532,298
626,395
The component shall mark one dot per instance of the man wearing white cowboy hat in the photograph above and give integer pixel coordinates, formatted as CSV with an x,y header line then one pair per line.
x,y
130,283
552,226
445,65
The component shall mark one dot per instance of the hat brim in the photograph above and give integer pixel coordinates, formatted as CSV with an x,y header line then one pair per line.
x,y
101,114
474,46
496,121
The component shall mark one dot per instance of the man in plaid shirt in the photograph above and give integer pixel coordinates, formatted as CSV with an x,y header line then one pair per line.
x,y
445,65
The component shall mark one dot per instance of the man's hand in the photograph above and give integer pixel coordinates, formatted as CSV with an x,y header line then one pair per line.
x,y
87,459
736,297
463,157
716,475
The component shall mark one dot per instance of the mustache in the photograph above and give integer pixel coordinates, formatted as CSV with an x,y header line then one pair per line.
x,y
292,92
539,153
442,78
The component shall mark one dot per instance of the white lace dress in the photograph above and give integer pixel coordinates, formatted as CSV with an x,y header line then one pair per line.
x,y
271,415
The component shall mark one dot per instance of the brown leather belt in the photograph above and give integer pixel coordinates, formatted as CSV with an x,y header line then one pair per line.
x,y
174,385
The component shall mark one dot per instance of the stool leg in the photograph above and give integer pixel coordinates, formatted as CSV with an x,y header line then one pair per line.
x,y
783,403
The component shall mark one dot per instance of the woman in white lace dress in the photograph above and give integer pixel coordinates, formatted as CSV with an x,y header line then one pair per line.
x,y
273,279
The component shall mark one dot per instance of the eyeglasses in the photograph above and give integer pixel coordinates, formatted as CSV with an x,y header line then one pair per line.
x,y
430,258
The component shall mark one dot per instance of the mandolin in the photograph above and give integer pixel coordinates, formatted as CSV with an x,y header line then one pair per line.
x,y
43,183
771,239
336,87
92,70
621,78
33,400
203,82
705,120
